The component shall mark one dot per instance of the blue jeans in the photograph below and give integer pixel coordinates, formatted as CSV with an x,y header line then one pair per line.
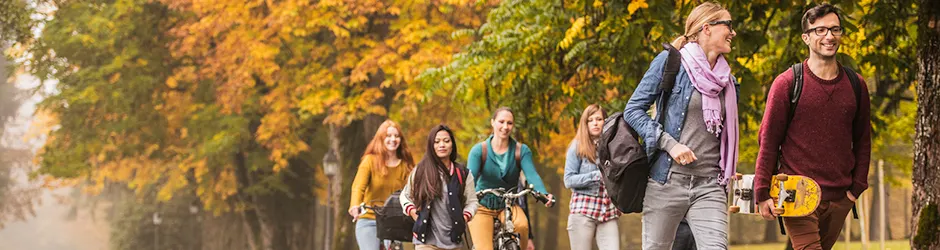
x,y
366,234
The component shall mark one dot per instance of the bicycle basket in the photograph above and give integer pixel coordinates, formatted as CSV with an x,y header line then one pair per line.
x,y
391,222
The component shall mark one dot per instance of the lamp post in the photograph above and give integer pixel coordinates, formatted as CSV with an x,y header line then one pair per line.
x,y
330,169
196,236
156,229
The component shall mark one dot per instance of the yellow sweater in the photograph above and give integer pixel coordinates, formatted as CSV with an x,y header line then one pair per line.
x,y
372,188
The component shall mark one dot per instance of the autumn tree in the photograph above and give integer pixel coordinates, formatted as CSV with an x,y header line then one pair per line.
x,y
233,102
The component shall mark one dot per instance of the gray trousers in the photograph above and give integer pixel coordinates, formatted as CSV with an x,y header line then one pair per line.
x,y
583,231
700,200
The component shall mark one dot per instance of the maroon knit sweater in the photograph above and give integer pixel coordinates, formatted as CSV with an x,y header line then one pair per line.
x,y
827,140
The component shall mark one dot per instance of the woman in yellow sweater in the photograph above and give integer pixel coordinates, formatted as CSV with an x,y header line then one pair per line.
x,y
383,170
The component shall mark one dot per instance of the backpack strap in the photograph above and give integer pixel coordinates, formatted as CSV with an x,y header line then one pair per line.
x,y
856,86
484,147
668,81
670,71
519,154
483,154
795,92
460,175
796,89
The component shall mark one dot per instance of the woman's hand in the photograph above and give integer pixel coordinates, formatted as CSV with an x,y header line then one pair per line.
x,y
551,200
682,154
354,212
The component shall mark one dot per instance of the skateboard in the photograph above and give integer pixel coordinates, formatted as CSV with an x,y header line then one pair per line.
x,y
794,195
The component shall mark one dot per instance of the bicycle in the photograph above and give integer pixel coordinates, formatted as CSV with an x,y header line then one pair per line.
x,y
505,236
385,244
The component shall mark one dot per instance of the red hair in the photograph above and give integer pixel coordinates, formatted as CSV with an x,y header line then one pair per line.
x,y
377,150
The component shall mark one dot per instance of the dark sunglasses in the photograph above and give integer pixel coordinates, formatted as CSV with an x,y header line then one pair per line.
x,y
725,22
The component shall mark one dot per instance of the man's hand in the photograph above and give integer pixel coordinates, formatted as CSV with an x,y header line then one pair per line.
x,y
851,197
766,209
682,154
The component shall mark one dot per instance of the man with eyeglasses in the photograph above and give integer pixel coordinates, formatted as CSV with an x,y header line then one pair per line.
x,y
827,136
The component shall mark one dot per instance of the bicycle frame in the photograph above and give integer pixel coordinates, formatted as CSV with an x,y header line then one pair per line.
x,y
506,229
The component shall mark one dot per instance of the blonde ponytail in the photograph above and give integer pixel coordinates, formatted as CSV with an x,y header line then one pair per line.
x,y
701,15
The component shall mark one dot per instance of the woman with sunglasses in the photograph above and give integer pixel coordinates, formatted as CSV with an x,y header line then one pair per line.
x,y
695,152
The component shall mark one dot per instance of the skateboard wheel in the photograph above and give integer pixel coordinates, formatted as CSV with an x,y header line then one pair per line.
x,y
734,209
778,210
738,176
782,177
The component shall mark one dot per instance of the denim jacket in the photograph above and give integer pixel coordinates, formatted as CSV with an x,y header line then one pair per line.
x,y
649,128
581,175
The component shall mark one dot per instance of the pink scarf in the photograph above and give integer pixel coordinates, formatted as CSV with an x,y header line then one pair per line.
x,y
711,82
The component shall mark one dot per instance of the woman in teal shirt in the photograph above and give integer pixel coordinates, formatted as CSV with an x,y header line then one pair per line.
x,y
500,170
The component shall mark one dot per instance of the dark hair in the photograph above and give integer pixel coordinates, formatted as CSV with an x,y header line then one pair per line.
x,y
500,109
427,183
819,11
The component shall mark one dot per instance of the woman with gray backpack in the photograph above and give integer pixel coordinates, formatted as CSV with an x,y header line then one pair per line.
x,y
694,150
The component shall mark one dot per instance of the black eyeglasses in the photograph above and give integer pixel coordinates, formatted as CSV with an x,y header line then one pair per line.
x,y
725,22
821,31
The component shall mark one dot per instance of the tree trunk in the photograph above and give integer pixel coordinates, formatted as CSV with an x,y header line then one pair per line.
x,y
351,143
257,232
926,174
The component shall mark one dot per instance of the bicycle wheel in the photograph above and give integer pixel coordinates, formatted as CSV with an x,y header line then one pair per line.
x,y
509,244
396,245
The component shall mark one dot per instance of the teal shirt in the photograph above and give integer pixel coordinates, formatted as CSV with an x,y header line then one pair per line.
x,y
501,173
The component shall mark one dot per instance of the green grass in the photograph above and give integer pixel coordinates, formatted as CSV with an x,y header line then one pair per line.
x,y
890,245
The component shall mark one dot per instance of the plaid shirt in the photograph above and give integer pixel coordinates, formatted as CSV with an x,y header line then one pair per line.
x,y
598,207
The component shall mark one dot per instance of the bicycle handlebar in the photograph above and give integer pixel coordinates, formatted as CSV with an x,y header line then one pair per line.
x,y
363,207
502,193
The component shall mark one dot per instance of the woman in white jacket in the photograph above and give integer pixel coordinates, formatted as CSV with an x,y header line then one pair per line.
x,y
439,194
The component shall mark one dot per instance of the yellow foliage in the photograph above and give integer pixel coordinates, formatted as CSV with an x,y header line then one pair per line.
x,y
286,62
577,27
636,5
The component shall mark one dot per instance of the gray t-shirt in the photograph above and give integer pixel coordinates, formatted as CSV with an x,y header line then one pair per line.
x,y
441,224
695,135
